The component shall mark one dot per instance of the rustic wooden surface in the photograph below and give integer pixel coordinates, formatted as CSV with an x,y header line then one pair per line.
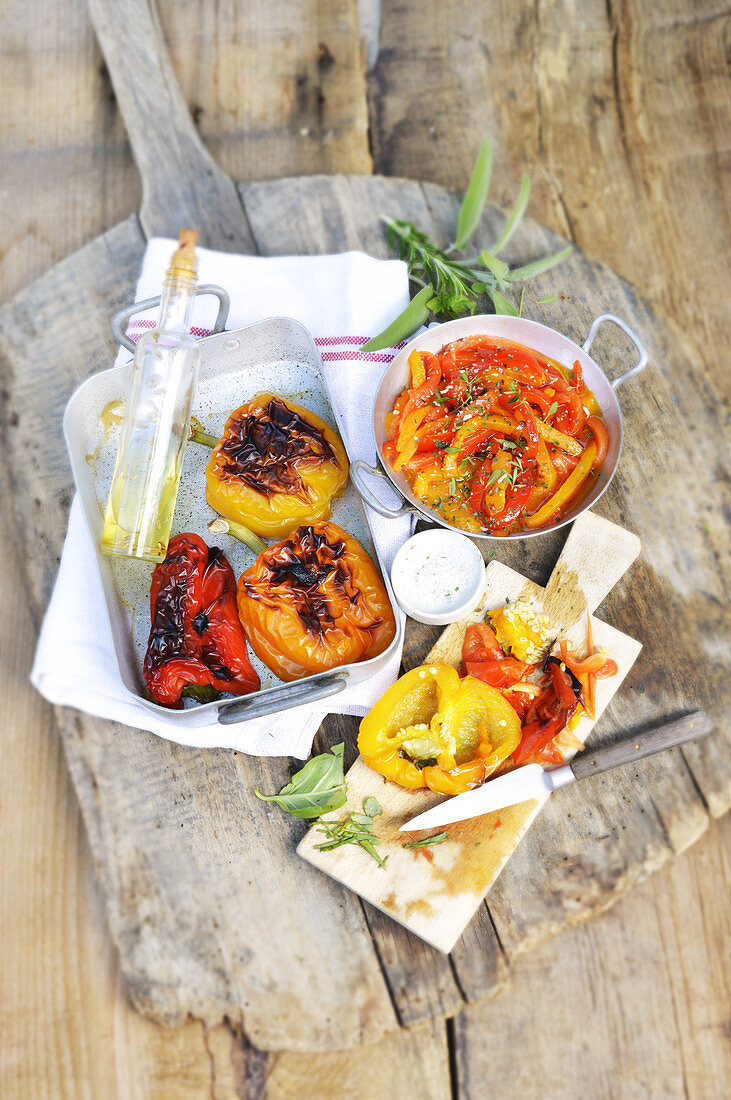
x,y
214,921
616,149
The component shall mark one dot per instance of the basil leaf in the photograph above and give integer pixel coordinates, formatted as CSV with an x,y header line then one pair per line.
x,y
408,321
502,305
427,842
316,789
475,196
372,806
514,217
539,266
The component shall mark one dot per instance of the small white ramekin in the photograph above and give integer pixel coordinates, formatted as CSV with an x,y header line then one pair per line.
x,y
438,576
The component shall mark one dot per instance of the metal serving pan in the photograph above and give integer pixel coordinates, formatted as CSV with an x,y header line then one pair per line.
x,y
533,335
277,355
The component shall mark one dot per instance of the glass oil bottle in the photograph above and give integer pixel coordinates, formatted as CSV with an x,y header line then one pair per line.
x,y
154,431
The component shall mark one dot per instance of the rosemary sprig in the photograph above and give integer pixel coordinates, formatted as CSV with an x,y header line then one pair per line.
x,y
451,287
428,841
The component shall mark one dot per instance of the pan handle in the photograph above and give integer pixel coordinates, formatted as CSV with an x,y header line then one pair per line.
x,y
281,698
369,496
121,318
642,350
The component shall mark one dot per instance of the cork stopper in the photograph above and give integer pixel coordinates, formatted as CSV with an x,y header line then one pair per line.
x,y
182,264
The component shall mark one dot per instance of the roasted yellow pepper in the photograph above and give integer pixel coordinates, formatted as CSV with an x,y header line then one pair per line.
x,y
276,466
433,729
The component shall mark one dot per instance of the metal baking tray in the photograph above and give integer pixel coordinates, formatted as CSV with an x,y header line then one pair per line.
x,y
277,355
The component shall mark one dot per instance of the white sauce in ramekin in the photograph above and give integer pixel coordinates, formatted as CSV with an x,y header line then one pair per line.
x,y
438,576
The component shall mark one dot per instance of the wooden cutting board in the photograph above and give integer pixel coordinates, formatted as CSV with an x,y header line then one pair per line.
x,y
211,910
436,892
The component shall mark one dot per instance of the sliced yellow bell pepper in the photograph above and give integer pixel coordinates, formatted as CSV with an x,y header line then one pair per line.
x,y
433,729
418,370
495,493
570,486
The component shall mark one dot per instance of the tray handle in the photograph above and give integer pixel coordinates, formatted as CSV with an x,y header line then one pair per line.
x,y
122,317
282,698
370,497
641,349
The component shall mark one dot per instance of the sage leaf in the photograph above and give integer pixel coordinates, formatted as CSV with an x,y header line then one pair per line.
x,y
475,196
539,266
502,305
408,321
514,217
316,789
498,267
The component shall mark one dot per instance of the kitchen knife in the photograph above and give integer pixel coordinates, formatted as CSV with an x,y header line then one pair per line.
x,y
534,782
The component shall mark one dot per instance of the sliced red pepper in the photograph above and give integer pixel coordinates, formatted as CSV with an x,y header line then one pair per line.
x,y
577,376
433,432
480,643
601,438
571,416
501,673
538,734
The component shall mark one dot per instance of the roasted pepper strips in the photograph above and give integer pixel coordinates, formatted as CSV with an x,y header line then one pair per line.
x,y
313,602
276,466
433,729
196,639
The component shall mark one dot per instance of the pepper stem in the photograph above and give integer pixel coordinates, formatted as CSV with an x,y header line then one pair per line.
x,y
221,526
197,435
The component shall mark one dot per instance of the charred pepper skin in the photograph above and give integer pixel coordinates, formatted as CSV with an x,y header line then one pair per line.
x,y
196,637
315,601
276,466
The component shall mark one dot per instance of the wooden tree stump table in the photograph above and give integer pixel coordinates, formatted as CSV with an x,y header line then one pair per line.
x,y
212,912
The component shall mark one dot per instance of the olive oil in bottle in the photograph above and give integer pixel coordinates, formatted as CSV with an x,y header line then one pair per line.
x,y
154,429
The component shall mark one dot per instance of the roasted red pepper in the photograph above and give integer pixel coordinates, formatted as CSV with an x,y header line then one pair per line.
x,y
552,715
197,645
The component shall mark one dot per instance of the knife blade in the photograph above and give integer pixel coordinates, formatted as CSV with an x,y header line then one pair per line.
x,y
521,785
534,782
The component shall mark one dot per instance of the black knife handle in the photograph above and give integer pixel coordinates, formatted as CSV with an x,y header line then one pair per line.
x,y
666,736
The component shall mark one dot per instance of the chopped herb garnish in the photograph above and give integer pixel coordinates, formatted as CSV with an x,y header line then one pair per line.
x,y
452,487
354,829
428,841
496,475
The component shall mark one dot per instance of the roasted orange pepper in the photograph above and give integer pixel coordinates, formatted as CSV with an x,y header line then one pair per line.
x,y
276,466
313,602
433,729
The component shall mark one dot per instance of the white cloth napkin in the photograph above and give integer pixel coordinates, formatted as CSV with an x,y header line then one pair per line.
x,y
343,300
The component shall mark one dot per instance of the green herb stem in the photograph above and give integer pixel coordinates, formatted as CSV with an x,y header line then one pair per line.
x,y
197,435
221,526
